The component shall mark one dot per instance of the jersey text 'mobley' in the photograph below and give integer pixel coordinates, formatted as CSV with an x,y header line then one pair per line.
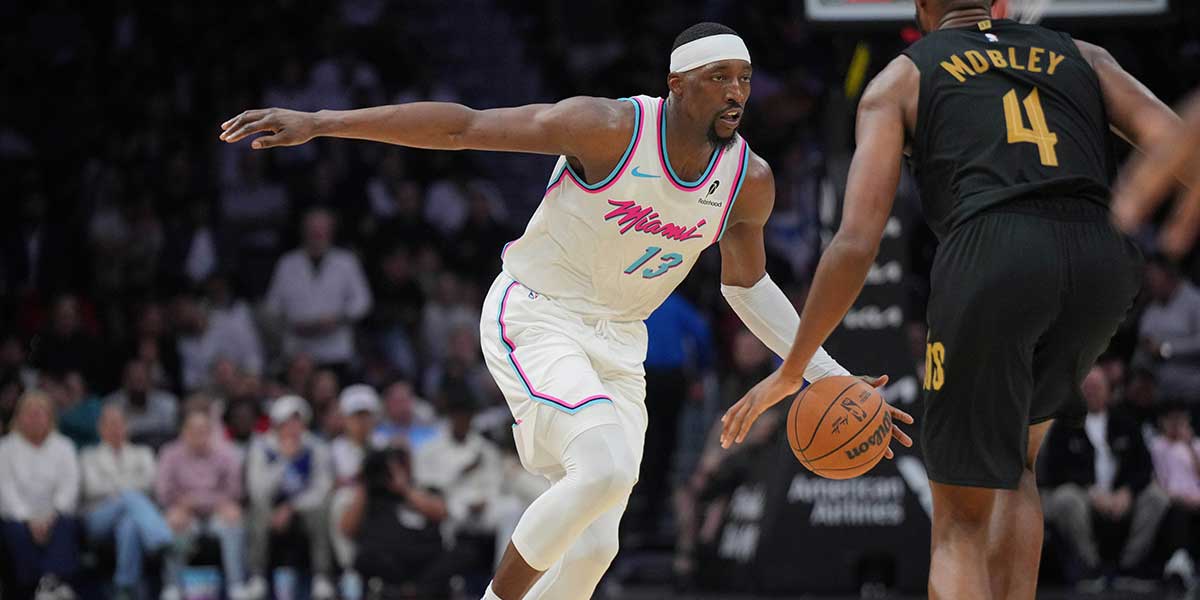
x,y
1035,60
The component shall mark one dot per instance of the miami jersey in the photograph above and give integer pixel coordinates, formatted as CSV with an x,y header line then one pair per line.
x,y
616,249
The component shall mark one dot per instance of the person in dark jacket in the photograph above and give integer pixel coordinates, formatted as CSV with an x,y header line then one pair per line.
x,y
395,526
1101,495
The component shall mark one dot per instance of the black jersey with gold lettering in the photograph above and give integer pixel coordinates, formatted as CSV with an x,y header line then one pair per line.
x,y
1007,111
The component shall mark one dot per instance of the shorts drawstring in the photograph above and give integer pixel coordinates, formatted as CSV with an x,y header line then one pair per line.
x,y
602,328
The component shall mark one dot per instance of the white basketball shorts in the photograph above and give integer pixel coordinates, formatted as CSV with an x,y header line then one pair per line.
x,y
562,373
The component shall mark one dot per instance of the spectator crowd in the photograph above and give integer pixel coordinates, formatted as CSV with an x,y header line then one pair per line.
x,y
265,365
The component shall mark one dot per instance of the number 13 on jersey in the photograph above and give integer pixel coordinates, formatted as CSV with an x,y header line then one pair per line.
x,y
669,261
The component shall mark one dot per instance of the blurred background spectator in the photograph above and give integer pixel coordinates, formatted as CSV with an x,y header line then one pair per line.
x,y
699,500
38,500
66,345
117,479
395,526
466,468
679,352
319,292
407,419
78,409
1170,331
289,477
208,335
151,411
199,485
1176,455
1101,493
359,405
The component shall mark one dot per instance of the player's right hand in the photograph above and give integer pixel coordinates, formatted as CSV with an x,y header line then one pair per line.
x,y
288,127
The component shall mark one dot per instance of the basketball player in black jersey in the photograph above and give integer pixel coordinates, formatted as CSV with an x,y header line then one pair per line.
x,y
1007,128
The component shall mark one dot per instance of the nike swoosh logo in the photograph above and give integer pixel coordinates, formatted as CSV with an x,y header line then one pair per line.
x,y
637,173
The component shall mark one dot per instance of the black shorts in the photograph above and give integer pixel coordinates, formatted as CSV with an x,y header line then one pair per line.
x,y
1024,299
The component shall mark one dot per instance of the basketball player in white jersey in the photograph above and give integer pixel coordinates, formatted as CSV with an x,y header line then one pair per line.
x,y
642,186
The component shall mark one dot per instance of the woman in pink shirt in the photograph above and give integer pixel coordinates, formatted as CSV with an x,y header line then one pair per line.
x,y
199,486
1176,456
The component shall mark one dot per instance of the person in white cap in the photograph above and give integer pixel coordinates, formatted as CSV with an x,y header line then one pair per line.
x,y
641,187
360,408
289,477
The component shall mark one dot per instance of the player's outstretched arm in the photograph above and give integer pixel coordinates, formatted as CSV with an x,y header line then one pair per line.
x,y
874,177
571,127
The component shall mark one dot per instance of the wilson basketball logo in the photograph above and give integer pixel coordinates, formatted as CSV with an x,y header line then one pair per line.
x,y
881,435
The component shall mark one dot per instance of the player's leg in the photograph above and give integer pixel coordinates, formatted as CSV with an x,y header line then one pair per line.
x,y
1102,280
577,574
565,422
617,356
1015,534
600,473
958,553
992,298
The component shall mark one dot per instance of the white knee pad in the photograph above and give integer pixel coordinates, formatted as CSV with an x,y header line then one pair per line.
x,y
597,547
600,473
601,466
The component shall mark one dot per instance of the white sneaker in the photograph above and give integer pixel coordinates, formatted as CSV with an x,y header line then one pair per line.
x,y
255,589
322,588
50,588
171,592
1182,566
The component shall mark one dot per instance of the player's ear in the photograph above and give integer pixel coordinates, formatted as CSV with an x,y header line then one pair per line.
x,y
675,83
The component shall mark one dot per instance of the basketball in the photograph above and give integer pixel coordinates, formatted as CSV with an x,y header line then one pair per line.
x,y
839,427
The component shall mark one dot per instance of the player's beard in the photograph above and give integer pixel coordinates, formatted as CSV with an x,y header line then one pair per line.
x,y
718,141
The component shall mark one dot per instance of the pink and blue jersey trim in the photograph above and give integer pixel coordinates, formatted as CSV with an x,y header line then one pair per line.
x,y
535,395
607,182
686,186
734,189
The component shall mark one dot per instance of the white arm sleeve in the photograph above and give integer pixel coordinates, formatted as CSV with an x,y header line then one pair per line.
x,y
770,316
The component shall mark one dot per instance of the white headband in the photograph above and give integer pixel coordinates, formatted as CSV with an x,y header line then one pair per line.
x,y
698,53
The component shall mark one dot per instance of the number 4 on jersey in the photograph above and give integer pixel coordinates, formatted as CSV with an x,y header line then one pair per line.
x,y
1037,133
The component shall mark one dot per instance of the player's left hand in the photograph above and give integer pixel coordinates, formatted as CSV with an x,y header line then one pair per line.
x,y
289,127
741,416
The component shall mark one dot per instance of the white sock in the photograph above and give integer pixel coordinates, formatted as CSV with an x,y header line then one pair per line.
x,y
489,594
